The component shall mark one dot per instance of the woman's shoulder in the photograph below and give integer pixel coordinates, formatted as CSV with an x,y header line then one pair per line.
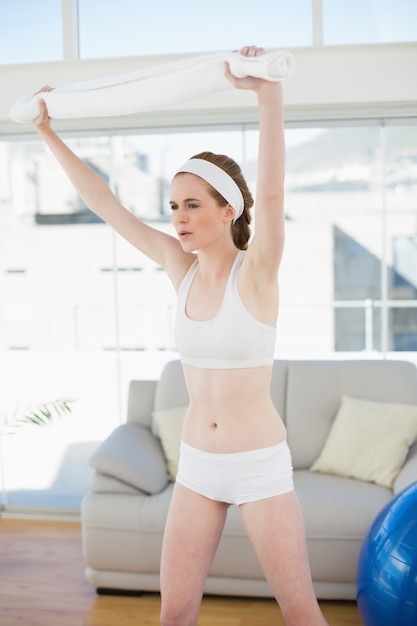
x,y
179,269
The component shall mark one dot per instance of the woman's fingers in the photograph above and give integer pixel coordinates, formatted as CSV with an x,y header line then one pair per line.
x,y
251,51
43,118
43,89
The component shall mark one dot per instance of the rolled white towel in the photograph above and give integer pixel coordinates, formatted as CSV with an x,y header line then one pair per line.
x,y
154,87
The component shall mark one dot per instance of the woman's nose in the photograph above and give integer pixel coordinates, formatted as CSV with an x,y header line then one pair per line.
x,y
181,215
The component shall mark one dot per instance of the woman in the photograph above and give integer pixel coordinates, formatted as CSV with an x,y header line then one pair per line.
x,y
234,446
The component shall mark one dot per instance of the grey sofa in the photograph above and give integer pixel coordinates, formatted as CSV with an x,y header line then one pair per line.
x,y
122,524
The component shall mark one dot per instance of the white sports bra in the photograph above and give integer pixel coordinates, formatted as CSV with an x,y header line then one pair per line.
x,y
232,339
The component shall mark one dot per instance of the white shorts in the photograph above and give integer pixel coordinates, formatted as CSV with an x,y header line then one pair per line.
x,y
237,477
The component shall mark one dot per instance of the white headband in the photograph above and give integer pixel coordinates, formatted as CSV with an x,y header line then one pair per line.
x,y
219,180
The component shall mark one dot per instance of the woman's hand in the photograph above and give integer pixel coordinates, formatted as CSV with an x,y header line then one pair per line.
x,y
43,121
249,82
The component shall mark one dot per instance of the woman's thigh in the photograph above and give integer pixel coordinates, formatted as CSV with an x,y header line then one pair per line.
x,y
192,534
275,527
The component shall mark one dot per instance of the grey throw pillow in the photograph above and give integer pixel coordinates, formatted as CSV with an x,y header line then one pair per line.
x,y
132,454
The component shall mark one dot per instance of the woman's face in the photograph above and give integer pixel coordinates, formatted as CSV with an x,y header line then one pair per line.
x,y
197,217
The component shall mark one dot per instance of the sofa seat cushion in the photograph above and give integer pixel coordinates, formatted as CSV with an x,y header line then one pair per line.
x,y
133,455
337,512
130,513
335,507
123,533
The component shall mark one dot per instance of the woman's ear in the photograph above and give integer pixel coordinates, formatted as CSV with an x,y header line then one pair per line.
x,y
229,213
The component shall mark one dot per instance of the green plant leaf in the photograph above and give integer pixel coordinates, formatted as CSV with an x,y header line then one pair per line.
x,y
40,415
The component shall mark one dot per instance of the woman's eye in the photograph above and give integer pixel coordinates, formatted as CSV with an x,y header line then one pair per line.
x,y
190,205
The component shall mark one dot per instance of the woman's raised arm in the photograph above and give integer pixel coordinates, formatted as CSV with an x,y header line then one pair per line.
x,y
267,245
165,250
269,209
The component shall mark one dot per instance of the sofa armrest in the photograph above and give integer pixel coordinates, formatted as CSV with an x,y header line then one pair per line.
x,y
408,473
133,455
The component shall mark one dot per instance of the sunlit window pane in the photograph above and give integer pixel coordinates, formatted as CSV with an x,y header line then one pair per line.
x,y
401,194
369,21
334,241
131,28
30,32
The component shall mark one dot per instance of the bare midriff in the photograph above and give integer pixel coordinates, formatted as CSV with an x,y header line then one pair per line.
x,y
231,410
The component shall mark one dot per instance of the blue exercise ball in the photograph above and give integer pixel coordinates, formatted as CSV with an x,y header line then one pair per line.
x,y
387,566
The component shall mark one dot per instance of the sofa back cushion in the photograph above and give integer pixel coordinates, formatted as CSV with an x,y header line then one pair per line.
x,y
315,389
279,386
171,391
141,401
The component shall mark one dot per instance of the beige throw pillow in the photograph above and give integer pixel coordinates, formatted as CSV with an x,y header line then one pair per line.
x,y
169,427
368,441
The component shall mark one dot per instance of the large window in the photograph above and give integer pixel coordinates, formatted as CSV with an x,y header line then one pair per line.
x,y
30,32
55,30
160,27
82,312
349,275
369,21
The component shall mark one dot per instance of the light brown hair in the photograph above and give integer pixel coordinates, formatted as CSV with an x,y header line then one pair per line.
x,y
241,228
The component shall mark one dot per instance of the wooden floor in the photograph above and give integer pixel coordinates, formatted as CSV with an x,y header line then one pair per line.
x,y
42,584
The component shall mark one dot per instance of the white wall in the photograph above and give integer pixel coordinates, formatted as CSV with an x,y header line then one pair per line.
x,y
330,82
